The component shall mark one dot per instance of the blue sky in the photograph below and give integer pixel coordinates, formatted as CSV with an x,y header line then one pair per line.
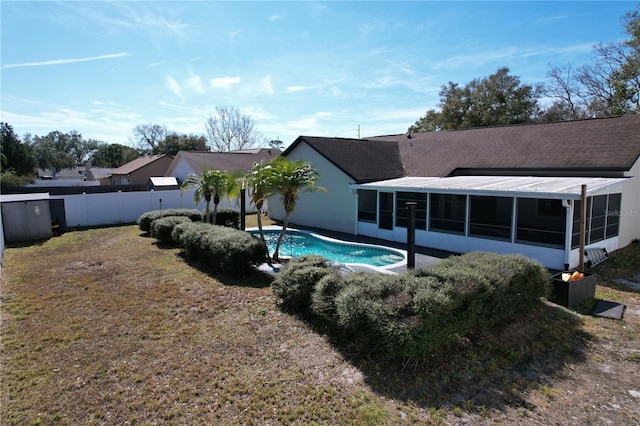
x,y
297,68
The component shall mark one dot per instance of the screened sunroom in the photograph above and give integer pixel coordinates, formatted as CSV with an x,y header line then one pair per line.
x,y
539,217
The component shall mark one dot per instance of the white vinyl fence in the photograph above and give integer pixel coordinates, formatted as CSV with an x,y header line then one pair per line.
x,y
114,208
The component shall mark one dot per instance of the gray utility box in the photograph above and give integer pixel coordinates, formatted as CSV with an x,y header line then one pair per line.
x,y
570,293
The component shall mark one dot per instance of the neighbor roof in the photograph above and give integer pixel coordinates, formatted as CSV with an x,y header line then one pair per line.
x,y
163,181
602,144
136,164
361,160
230,161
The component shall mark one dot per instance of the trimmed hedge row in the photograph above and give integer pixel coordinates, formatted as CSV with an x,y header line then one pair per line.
x,y
222,249
162,227
413,314
144,221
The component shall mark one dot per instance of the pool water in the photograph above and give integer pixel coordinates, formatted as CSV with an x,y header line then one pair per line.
x,y
296,243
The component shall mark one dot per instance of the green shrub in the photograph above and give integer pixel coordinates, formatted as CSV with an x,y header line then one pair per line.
x,y
144,221
414,314
162,228
295,284
323,296
226,217
220,248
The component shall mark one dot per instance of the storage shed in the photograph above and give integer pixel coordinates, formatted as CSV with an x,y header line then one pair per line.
x,y
162,183
26,217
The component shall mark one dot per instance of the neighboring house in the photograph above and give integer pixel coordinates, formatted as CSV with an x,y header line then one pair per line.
x,y
194,162
138,171
508,189
72,176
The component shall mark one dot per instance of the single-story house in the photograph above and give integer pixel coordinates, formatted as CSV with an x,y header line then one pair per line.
x,y
507,189
194,162
138,171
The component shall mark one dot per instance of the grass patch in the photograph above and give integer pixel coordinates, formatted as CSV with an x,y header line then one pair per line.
x,y
101,326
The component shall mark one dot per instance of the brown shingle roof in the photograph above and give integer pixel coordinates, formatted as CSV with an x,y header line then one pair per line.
x,y
604,144
230,161
136,164
362,160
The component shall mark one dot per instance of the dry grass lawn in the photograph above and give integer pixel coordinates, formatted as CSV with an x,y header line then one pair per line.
x,y
104,326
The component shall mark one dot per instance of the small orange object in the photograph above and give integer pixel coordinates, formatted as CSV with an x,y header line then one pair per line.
x,y
576,276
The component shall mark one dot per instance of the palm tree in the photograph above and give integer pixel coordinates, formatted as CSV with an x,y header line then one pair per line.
x,y
260,181
289,178
211,184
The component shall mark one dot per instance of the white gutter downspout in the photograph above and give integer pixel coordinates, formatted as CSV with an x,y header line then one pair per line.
x,y
568,228
355,223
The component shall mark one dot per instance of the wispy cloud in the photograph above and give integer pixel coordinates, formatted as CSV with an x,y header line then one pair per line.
x,y
66,61
292,89
174,86
275,17
224,82
265,86
194,82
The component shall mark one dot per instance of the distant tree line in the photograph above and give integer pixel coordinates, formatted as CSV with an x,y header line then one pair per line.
x,y
607,87
228,130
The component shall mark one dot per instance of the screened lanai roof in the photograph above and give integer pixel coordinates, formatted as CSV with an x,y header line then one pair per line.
x,y
521,186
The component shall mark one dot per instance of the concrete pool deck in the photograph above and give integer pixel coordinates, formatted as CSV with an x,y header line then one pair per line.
x,y
424,256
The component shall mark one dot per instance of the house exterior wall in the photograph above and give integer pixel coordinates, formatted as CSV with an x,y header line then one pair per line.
x,y
180,169
333,210
630,207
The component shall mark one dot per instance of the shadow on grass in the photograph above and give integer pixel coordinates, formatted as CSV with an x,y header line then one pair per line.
x,y
249,277
493,370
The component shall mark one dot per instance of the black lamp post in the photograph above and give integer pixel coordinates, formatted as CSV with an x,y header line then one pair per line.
x,y
411,234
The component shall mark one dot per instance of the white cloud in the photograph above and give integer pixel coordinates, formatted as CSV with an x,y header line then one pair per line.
x,y
292,89
224,82
174,86
194,82
266,87
66,61
275,17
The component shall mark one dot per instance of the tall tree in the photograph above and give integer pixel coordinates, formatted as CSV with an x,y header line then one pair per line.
x,y
276,144
568,101
495,100
15,155
175,142
211,185
230,130
148,136
291,177
608,86
57,150
112,155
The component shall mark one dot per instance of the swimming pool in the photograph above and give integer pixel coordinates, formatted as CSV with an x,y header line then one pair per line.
x,y
299,243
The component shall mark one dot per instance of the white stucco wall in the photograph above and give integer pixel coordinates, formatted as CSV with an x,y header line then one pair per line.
x,y
180,169
630,208
333,210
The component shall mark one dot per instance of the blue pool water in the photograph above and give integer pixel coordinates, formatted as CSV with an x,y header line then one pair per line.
x,y
298,243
